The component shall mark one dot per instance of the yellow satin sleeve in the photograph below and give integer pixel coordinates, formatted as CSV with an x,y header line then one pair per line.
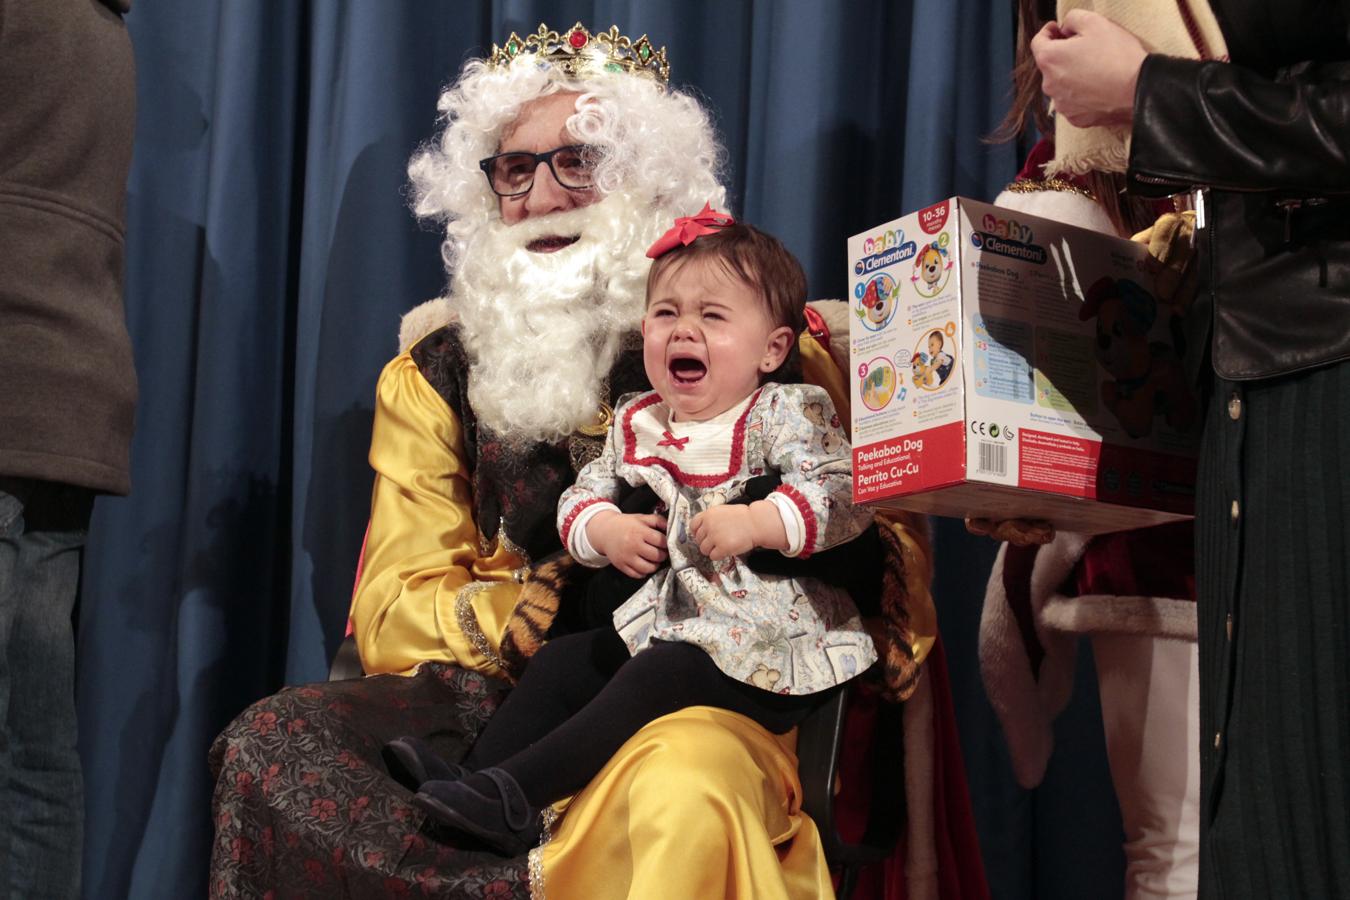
x,y
700,803
427,590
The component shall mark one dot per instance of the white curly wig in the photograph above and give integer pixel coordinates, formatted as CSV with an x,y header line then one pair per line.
x,y
657,145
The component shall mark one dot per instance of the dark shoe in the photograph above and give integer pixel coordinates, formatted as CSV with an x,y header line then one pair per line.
x,y
487,805
411,761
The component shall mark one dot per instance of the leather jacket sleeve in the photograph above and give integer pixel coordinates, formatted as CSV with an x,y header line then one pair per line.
x,y
1214,124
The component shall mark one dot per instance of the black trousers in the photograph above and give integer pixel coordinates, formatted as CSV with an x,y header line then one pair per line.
x,y
582,696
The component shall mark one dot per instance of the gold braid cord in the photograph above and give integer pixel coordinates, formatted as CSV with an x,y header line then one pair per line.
x,y
1035,185
468,624
549,819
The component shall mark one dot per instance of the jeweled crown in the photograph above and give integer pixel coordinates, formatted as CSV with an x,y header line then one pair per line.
x,y
578,52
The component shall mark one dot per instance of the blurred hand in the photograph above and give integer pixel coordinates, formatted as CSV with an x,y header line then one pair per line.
x,y
1089,67
1018,532
634,544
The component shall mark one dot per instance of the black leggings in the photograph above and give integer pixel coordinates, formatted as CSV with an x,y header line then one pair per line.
x,y
582,696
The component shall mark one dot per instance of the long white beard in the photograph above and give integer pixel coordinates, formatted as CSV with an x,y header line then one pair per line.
x,y
543,329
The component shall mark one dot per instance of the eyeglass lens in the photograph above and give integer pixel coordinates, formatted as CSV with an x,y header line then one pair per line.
x,y
513,173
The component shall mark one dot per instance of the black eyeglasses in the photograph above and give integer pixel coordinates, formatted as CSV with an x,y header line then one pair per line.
x,y
512,174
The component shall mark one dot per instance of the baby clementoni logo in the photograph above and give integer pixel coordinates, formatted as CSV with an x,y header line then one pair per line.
x,y
1011,229
1008,237
883,241
883,249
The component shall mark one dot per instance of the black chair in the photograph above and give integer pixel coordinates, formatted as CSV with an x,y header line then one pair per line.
x,y
820,744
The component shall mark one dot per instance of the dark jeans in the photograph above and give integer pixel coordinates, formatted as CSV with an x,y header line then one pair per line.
x,y
42,534
582,696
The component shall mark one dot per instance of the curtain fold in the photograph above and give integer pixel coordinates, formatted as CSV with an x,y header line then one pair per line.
x,y
271,253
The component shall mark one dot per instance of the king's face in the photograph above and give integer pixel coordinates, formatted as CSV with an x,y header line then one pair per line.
x,y
542,125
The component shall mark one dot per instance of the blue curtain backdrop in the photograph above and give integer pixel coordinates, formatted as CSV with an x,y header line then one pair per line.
x,y
270,255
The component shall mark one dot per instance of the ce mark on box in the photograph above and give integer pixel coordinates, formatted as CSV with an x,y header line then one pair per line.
x,y
991,429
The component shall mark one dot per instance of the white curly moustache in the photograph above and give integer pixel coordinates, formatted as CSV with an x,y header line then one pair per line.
x,y
543,329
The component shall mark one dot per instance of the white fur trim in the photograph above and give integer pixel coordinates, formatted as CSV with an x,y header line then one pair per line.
x,y
422,320
1027,706
1054,563
921,860
1060,206
1159,617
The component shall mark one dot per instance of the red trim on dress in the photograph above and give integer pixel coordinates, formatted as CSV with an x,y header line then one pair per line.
x,y
808,517
703,481
566,530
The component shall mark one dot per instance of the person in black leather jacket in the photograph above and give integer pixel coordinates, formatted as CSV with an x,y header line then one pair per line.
x,y
1263,141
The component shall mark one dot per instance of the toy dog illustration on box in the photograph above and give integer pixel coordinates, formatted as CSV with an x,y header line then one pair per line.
x,y
1148,377
878,301
930,266
921,371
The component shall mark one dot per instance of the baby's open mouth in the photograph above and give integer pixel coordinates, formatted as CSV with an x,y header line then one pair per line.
x,y
552,243
687,371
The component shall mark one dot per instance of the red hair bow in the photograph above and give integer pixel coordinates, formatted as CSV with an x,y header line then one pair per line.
x,y
688,228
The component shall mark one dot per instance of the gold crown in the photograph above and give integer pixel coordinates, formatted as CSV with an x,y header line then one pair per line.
x,y
578,52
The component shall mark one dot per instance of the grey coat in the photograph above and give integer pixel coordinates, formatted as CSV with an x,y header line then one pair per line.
x,y
67,385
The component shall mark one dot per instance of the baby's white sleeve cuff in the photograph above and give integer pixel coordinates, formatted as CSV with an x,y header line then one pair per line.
x,y
792,522
579,545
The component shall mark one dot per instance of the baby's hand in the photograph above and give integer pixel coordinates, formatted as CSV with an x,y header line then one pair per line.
x,y
733,529
634,544
723,531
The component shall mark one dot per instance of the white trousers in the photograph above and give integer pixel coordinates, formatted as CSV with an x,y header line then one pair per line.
x,y
1150,712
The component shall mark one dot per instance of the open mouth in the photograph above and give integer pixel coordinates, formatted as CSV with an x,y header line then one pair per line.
x,y
552,243
686,372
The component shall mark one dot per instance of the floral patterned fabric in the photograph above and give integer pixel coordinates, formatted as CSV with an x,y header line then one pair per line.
x,y
779,633
304,809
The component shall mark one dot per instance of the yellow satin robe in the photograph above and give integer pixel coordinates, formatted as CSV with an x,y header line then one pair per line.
x,y
641,829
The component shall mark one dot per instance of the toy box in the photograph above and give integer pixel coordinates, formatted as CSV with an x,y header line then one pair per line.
x,y
1010,366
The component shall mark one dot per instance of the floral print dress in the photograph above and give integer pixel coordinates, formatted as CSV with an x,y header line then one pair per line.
x,y
782,634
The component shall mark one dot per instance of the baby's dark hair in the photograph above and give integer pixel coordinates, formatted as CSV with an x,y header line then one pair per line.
x,y
756,258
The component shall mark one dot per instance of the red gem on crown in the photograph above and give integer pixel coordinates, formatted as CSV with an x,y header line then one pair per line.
x,y
577,39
